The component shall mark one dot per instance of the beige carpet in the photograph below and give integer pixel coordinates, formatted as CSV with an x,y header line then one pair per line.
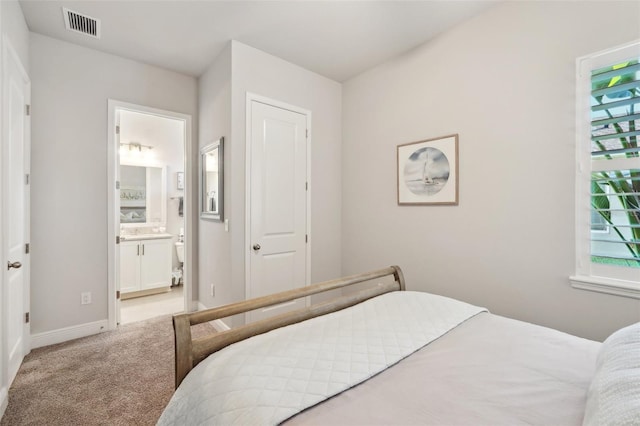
x,y
122,377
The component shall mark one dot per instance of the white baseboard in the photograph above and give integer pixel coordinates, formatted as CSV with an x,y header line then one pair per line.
x,y
68,333
4,401
218,324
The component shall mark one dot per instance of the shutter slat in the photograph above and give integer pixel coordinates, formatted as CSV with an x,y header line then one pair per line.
x,y
615,194
617,104
616,179
616,88
615,135
617,210
619,119
595,78
618,225
602,240
615,151
616,257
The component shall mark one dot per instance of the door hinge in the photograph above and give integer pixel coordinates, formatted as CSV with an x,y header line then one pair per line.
x,y
117,184
28,109
306,186
27,248
27,179
306,133
306,238
26,317
118,294
117,239
117,130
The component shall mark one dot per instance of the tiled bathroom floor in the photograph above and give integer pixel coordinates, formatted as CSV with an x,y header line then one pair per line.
x,y
142,308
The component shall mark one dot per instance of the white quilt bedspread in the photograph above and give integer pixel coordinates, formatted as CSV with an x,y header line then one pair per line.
x,y
271,377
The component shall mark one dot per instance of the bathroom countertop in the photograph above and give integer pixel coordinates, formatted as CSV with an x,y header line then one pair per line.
x,y
138,237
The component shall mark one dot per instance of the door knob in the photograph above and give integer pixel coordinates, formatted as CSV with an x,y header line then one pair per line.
x,y
256,247
13,265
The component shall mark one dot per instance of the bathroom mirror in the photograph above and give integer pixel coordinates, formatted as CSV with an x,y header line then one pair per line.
x,y
143,195
211,181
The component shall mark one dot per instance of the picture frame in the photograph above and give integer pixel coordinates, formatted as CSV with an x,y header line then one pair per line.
x,y
427,171
212,181
133,196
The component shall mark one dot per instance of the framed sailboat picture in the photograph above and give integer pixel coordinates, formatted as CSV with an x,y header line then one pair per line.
x,y
428,172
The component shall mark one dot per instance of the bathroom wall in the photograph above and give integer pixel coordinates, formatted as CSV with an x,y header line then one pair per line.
x,y
166,136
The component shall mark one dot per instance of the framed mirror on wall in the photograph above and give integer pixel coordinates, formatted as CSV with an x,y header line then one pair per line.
x,y
212,181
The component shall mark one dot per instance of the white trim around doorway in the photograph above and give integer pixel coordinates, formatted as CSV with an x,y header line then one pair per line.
x,y
113,232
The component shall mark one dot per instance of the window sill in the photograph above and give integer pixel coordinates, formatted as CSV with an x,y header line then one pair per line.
x,y
606,285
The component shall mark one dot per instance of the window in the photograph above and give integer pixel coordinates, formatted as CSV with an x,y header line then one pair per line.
x,y
608,172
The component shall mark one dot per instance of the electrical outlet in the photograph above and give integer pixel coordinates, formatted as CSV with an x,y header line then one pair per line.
x,y
85,298
213,290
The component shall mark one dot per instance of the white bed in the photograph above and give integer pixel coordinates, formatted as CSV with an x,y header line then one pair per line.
x,y
397,357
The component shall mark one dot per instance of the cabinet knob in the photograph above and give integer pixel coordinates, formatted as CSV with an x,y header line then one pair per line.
x,y
256,247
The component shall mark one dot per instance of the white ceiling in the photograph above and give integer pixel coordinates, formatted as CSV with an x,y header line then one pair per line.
x,y
338,39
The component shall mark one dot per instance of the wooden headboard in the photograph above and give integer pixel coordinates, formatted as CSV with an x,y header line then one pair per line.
x,y
189,352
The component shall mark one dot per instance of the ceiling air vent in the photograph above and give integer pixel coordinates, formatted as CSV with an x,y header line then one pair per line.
x,y
79,23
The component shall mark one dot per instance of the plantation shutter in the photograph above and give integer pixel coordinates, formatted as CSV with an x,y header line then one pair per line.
x,y
615,164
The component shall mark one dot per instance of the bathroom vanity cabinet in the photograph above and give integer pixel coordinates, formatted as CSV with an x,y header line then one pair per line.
x,y
145,263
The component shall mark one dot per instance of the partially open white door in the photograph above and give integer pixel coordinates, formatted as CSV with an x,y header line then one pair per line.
x,y
278,204
15,209
116,213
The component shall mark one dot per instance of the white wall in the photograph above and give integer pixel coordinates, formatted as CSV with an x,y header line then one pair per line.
x,y
505,81
251,70
15,28
214,244
70,89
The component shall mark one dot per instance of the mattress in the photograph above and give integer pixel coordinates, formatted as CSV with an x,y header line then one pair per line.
x,y
489,370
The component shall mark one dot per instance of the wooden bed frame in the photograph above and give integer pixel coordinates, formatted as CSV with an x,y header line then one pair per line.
x,y
189,352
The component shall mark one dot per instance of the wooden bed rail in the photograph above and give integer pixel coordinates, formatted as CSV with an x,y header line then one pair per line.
x,y
189,352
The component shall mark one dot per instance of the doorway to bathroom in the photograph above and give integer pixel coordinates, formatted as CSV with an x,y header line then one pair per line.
x,y
149,263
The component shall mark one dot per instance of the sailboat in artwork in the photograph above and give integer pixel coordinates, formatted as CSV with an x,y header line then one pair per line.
x,y
426,174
